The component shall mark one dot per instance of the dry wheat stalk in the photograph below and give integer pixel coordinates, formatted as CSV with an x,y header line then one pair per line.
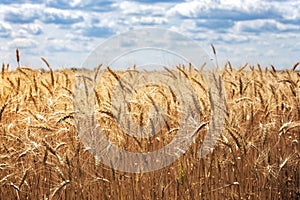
x,y
295,66
18,57
3,71
2,109
59,187
51,71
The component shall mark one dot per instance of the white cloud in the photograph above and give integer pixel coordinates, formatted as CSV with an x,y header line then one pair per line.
x,y
134,8
189,9
264,25
21,14
5,29
147,20
75,3
21,1
57,45
289,9
24,43
236,9
235,38
58,3
57,16
31,29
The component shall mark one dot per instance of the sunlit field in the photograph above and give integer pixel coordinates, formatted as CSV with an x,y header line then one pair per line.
x,y
255,157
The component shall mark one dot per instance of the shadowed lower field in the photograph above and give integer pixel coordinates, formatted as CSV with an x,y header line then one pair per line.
x,y
256,157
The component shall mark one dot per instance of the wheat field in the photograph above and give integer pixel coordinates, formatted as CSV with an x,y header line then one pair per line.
x,y
256,156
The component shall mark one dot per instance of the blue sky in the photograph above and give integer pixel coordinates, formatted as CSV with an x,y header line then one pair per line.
x,y
65,32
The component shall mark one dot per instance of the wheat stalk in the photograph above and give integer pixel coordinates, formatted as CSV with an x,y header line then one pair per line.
x,y
18,57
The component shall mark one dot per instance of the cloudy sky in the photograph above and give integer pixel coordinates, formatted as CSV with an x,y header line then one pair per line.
x,y
66,31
